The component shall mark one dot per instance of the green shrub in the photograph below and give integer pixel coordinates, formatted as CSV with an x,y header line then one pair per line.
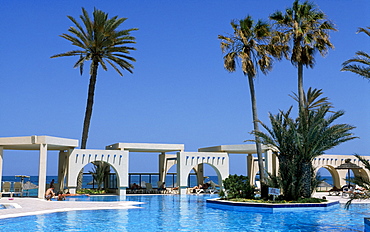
x,y
238,187
90,191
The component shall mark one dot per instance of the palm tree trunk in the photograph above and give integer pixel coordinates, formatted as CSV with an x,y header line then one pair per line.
x,y
88,113
300,86
307,179
256,128
89,105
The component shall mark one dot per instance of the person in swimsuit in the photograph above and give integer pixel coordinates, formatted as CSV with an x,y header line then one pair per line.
x,y
49,194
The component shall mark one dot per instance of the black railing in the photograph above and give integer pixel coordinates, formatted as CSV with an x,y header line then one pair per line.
x,y
153,178
140,178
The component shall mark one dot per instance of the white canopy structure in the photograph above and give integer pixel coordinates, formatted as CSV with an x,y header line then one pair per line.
x,y
270,161
72,160
41,143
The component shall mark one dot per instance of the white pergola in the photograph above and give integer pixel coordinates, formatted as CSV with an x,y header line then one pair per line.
x,y
270,159
186,161
41,143
165,160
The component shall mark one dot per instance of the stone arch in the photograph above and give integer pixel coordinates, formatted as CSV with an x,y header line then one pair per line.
x,y
334,174
106,184
186,161
339,175
200,177
166,162
360,172
117,159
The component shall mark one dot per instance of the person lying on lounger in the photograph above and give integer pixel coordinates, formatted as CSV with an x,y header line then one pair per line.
x,y
201,186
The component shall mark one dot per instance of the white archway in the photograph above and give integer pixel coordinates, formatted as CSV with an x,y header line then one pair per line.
x,y
79,158
330,162
186,161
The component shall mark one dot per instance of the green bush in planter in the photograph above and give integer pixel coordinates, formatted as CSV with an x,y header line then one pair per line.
x,y
238,187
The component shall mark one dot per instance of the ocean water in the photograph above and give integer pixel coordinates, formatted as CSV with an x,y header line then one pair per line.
x,y
328,179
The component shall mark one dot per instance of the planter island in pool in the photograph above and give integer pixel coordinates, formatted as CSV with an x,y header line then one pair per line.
x,y
269,207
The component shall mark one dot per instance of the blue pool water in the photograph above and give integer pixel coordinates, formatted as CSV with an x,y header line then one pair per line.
x,y
189,213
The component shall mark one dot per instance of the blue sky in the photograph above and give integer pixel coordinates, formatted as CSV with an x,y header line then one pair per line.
x,y
179,91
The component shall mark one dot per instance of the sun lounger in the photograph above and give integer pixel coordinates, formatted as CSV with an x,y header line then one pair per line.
x,y
347,192
173,190
335,191
18,189
159,184
213,188
7,189
149,188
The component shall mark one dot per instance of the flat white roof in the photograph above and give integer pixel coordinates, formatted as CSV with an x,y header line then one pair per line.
x,y
146,147
235,149
33,143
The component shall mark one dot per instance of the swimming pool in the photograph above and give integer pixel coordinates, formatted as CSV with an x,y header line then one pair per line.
x,y
189,213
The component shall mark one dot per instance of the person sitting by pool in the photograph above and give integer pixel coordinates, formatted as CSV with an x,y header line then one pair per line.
x,y
135,186
49,194
61,196
162,187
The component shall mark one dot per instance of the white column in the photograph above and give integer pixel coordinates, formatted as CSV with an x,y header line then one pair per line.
x,y
181,181
42,170
62,168
122,171
342,176
200,173
250,168
268,161
1,164
162,166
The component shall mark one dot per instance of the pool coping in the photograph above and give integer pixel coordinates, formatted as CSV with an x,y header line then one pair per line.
x,y
367,224
34,206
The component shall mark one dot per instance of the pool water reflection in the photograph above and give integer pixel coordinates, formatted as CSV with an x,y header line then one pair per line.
x,y
189,213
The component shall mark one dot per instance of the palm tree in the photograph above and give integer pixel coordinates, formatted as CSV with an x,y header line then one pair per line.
x,y
251,44
360,64
307,29
301,140
100,173
99,41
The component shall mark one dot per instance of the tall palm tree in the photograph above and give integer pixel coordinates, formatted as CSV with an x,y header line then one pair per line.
x,y
250,43
307,29
360,64
100,41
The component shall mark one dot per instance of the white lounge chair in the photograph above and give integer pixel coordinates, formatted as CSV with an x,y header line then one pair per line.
x,y
149,188
6,189
213,187
18,188
173,190
198,191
